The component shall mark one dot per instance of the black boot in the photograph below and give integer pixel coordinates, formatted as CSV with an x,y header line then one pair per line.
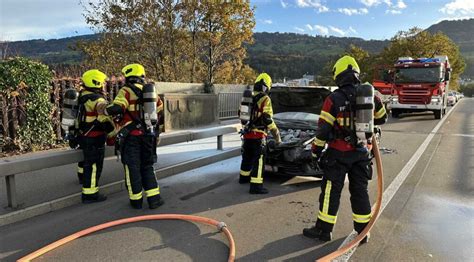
x,y
244,179
97,197
136,204
257,189
155,201
316,232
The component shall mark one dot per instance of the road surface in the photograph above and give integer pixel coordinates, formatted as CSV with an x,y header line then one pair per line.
x,y
429,218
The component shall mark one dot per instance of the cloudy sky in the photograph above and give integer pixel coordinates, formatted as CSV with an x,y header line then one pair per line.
x,y
368,19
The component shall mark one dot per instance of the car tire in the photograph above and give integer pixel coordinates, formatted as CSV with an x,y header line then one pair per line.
x,y
438,114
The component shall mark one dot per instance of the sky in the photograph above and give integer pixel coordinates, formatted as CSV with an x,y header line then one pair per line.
x,y
368,19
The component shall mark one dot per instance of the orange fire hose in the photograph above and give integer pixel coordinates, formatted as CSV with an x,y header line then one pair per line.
x,y
375,213
220,226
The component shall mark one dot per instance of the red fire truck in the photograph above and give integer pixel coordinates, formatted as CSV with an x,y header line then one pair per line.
x,y
420,85
383,83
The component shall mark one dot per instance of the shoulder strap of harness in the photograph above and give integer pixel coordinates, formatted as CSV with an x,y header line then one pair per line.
x,y
253,117
348,134
83,126
139,94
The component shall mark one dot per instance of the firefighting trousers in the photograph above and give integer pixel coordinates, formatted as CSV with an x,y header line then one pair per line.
x,y
138,156
336,164
253,160
93,149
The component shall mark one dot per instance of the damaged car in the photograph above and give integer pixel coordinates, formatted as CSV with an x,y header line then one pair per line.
x,y
296,113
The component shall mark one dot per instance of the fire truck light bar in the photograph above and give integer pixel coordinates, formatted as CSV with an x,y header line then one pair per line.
x,y
421,60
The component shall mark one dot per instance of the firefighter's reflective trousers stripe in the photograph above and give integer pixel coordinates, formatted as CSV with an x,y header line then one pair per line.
x,y
253,160
138,157
336,165
93,149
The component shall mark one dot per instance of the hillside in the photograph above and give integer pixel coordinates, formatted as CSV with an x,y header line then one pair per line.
x,y
280,54
292,55
462,33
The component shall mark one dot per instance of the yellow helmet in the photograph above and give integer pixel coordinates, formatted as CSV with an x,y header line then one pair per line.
x,y
345,63
133,70
267,80
94,78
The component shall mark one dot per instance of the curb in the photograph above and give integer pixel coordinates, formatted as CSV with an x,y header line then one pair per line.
x,y
114,187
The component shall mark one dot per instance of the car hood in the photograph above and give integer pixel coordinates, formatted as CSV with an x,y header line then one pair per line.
x,y
298,99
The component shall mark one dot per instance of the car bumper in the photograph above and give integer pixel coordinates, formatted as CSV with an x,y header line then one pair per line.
x,y
436,104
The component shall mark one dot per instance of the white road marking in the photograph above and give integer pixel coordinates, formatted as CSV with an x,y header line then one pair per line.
x,y
389,193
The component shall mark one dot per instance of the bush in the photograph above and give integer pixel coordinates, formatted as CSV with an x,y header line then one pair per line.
x,y
26,86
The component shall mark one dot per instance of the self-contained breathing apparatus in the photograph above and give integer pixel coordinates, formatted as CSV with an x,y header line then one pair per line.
x,y
70,112
361,116
249,113
148,120
73,120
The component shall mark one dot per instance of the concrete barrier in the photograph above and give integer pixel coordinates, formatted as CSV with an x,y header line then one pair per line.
x,y
183,111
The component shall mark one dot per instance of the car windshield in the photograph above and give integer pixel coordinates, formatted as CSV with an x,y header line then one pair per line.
x,y
418,75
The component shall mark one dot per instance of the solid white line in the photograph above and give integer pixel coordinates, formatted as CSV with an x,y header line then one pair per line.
x,y
389,193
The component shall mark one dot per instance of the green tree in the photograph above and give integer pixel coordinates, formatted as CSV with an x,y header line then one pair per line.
x,y
174,40
364,60
418,43
467,90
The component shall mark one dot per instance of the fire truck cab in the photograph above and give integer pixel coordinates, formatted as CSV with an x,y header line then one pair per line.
x,y
420,84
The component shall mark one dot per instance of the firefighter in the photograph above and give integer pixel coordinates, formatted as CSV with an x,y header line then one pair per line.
x,y
252,166
138,137
93,128
344,154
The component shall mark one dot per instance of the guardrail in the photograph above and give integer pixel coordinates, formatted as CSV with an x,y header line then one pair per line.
x,y
12,166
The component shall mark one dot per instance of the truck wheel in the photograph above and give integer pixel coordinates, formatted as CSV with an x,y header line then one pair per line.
x,y
438,114
395,113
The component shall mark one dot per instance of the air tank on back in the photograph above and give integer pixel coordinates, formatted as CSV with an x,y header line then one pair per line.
x,y
149,106
364,112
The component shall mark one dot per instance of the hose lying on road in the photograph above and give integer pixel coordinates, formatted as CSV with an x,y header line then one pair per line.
x,y
375,213
220,226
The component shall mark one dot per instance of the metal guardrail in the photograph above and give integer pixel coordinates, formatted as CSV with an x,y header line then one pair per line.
x,y
12,166
229,103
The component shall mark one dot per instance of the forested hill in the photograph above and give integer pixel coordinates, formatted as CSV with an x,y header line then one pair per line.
x,y
280,54
462,33
292,55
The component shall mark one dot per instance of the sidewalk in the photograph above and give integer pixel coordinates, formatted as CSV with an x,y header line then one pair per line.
x,y
53,183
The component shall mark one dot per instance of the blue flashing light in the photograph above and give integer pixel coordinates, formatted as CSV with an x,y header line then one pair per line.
x,y
422,60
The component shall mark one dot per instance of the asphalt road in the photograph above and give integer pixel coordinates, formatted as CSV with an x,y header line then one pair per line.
x,y
429,218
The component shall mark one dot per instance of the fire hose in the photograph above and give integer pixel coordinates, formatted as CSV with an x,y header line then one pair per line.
x,y
375,213
221,226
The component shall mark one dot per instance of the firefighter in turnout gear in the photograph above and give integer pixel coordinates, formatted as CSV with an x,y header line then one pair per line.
x,y
92,133
345,153
254,135
139,105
